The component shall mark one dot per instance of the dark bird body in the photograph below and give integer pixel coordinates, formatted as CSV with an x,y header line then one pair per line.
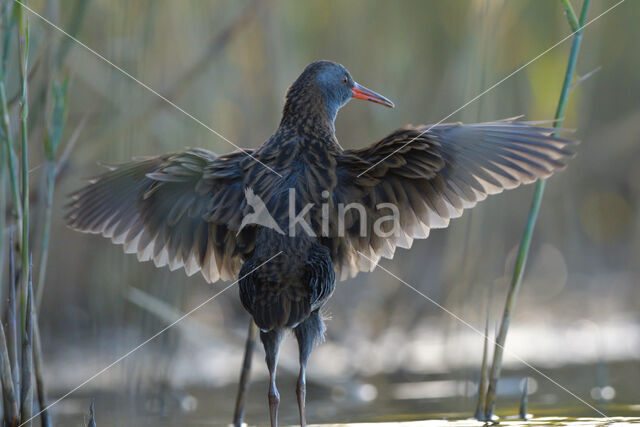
x,y
185,209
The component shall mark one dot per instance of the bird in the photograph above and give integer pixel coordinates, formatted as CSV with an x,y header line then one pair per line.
x,y
338,211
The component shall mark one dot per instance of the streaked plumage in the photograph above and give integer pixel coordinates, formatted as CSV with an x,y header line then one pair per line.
x,y
185,209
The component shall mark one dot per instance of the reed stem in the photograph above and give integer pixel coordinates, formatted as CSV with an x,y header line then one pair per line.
x,y
92,415
9,374
524,400
484,375
8,22
26,386
6,123
8,392
24,114
12,330
51,142
243,386
38,369
525,243
571,15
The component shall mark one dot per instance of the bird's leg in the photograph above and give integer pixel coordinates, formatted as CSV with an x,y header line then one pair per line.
x,y
301,393
271,341
307,333
244,374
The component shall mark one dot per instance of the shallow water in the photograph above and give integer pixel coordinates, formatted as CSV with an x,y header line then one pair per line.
x,y
426,400
545,421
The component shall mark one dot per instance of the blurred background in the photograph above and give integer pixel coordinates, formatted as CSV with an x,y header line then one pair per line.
x,y
389,353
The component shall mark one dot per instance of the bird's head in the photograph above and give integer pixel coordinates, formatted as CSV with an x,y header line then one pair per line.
x,y
328,86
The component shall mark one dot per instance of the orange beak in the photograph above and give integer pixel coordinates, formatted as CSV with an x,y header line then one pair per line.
x,y
361,92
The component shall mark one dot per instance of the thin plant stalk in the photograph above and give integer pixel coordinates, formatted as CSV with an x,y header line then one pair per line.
x,y
26,386
525,243
24,114
38,369
9,19
3,207
524,400
5,125
32,72
484,374
3,200
571,15
72,29
8,24
8,143
12,331
243,386
51,142
62,161
9,393
50,166
92,415
8,351
46,229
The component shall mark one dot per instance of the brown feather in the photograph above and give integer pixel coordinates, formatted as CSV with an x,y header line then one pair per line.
x,y
432,173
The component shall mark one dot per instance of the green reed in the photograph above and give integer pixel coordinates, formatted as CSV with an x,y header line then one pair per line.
x,y
525,243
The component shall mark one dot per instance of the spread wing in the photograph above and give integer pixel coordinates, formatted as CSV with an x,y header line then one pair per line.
x,y
432,179
181,210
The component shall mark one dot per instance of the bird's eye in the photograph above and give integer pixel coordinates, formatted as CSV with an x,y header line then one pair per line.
x,y
345,80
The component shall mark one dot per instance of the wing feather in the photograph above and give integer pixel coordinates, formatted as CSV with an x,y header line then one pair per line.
x,y
431,174
181,210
